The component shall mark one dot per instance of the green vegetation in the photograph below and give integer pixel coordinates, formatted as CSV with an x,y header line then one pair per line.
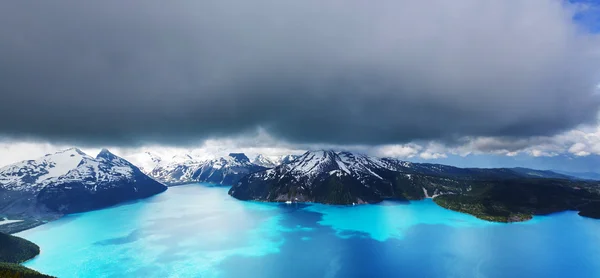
x,y
10,270
591,210
335,192
481,208
519,199
410,186
15,250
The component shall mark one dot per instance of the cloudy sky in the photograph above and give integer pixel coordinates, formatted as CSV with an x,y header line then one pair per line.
x,y
467,82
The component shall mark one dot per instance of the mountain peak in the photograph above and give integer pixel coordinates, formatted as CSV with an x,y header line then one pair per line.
x,y
240,157
288,158
322,155
265,161
106,154
73,151
316,171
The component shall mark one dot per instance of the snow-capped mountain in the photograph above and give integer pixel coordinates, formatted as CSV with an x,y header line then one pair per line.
x,y
175,173
225,170
71,181
341,178
273,161
288,158
267,162
146,161
318,176
30,175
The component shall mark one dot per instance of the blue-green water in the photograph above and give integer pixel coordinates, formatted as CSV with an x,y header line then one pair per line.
x,y
199,231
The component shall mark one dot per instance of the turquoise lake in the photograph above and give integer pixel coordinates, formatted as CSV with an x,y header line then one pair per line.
x,y
198,230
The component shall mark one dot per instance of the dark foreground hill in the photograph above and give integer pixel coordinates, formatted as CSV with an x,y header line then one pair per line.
x,y
15,250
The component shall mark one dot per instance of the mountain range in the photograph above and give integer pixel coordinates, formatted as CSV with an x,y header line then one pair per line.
x,y
225,170
71,181
222,170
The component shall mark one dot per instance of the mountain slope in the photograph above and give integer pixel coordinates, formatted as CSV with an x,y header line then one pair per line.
x,y
322,176
69,181
30,175
96,183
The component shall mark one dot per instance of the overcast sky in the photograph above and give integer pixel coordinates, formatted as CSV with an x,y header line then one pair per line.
x,y
406,78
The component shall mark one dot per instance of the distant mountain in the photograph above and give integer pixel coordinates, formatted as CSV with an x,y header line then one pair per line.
x,y
543,173
288,158
273,161
580,175
504,194
71,181
470,173
146,161
223,170
265,161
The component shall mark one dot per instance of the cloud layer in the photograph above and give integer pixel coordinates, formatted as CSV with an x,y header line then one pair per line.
x,y
332,72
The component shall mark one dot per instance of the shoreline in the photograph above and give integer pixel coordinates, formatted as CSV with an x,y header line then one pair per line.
x,y
17,226
25,224
517,218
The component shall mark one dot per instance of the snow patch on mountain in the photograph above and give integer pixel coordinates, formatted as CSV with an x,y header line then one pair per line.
x,y
312,164
273,160
146,161
31,175
266,161
105,168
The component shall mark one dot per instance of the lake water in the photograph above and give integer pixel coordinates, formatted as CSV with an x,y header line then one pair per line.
x,y
198,230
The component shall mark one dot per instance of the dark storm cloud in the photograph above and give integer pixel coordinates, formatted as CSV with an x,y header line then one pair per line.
x,y
342,72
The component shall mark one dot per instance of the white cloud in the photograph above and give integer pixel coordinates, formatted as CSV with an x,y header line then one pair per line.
x,y
404,151
428,155
583,141
578,149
